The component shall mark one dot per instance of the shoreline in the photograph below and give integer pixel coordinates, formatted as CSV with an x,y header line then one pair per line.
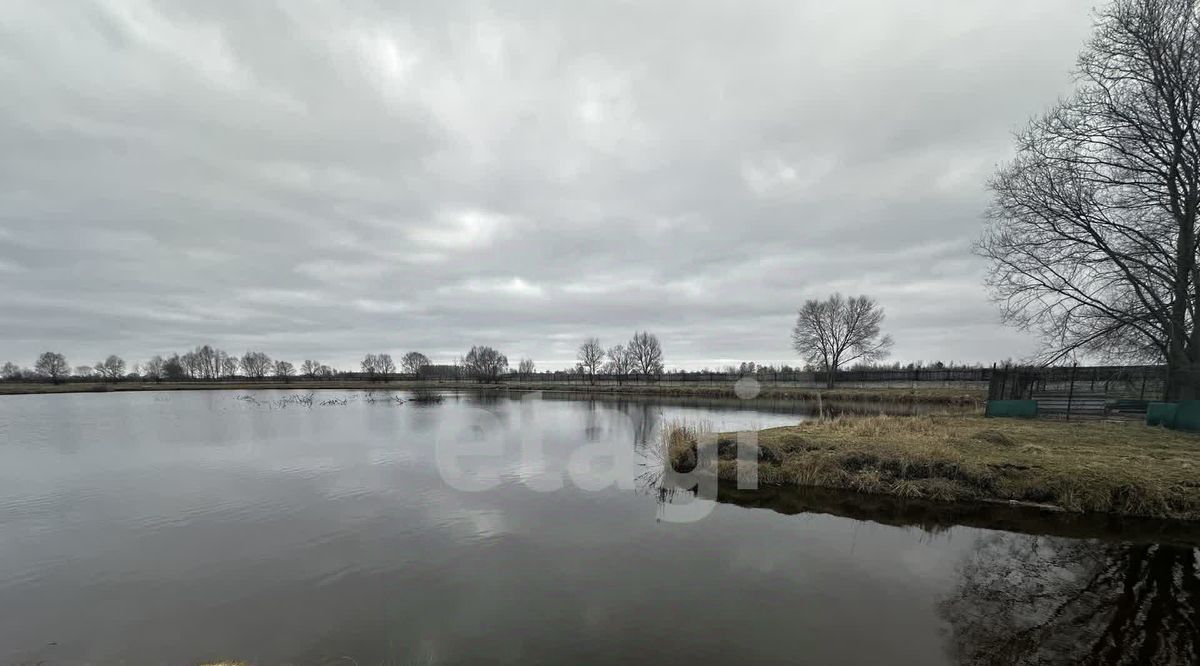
x,y
1108,468
962,397
935,516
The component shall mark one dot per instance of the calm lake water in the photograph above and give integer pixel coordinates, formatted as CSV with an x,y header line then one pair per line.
x,y
177,528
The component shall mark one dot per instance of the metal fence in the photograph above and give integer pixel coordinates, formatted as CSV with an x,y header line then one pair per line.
x,y
1081,390
797,379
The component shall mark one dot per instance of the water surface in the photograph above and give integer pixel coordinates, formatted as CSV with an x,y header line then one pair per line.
x,y
169,528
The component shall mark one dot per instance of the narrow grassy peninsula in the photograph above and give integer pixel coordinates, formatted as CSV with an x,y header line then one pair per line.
x,y
1111,467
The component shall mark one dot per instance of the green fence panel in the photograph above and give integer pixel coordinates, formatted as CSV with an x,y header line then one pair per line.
x,y
1187,416
1020,409
1161,414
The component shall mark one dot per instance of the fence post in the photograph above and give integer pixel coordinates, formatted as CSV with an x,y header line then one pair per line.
x,y
1071,391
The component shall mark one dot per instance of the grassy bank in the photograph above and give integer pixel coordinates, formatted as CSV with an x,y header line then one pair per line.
x,y
1118,468
971,396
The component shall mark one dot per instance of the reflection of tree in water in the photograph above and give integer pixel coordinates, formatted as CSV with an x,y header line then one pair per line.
x,y
1040,600
644,417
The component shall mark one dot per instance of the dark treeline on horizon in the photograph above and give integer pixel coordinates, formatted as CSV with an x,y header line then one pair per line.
x,y
208,363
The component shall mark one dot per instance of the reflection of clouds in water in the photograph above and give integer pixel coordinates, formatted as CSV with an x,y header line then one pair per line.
x,y
482,524
460,517
336,536
530,469
381,456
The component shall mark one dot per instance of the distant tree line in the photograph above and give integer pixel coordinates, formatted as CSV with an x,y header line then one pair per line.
x,y
642,355
859,348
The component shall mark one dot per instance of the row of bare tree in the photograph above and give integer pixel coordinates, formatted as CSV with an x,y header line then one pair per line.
x,y
204,362
641,355
828,333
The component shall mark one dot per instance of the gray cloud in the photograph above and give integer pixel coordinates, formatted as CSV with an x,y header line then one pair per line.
x,y
325,179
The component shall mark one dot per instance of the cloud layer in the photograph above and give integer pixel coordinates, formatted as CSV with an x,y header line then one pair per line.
x,y
325,179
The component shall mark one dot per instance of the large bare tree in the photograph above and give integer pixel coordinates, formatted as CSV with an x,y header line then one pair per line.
x,y
1092,234
412,362
645,353
619,362
310,368
154,368
52,366
256,364
284,369
838,331
485,363
590,356
111,368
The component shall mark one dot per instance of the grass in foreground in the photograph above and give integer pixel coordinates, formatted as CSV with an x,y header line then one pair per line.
x,y
1114,467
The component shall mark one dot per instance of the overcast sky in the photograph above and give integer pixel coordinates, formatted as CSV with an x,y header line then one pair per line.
x,y
324,179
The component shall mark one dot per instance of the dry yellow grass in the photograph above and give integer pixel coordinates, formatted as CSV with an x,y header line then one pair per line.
x,y
1116,467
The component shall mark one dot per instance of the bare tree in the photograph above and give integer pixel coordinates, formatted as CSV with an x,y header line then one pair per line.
x,y
111,368
256,364
619,362
310,368
10,371
378,364
590,356
284,369
485,363
84,371
1092,234
412,362
526,366
52,366
188,365
645,354
229,364
208,362
838,331
174,368
153,369
385,365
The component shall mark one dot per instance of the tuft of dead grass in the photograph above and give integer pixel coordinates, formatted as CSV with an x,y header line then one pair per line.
x,y
1097,466
678,441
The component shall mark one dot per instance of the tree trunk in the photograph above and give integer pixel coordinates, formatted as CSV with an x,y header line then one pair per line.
x,y
1183,379
1183,368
